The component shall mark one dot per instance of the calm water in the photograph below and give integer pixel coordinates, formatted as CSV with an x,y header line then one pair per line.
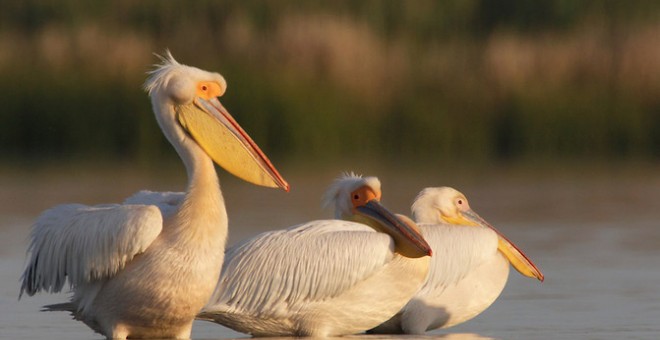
x,y
595,237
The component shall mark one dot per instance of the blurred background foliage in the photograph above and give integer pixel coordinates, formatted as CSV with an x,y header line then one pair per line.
x,y
467,80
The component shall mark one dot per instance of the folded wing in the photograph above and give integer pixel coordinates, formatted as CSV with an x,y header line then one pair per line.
x,y
283,271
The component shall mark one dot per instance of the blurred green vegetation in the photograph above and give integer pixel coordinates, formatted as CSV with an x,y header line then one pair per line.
x,y
472,80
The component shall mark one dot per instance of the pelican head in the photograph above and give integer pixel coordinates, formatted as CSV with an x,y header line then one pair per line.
x,y
350,185
441,205
356,198
188,111
448,205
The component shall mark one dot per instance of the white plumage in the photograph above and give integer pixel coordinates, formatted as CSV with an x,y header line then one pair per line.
x,y
102,238
469,268
144,269
321,278
167,202
261,279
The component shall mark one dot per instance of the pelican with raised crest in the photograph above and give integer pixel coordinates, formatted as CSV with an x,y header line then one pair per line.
x,y
325,277
140,269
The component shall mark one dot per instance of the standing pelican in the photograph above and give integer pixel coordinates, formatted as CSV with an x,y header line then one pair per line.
x,y
326,277
137,270
469,269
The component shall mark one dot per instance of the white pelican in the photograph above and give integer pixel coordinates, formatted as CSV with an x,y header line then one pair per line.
x,y
469,268
135,270
325,277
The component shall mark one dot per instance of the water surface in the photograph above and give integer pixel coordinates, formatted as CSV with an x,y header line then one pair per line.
x,y
595,237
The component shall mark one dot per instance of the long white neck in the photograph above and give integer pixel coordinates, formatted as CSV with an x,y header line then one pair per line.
x,y
202,216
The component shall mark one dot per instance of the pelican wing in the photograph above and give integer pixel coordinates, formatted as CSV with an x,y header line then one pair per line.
x,y
167,201
457,250
287,269
86,243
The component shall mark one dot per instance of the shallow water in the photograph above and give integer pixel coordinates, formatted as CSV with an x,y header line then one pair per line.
x,y
596,238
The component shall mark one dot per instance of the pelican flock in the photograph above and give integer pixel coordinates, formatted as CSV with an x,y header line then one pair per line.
x,y
469,268
148,267
325,277
144,270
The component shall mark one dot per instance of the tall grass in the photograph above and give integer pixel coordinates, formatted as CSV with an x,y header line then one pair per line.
x,y
462,80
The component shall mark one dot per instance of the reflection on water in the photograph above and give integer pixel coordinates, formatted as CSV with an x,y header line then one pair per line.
x,y
449,336
597,239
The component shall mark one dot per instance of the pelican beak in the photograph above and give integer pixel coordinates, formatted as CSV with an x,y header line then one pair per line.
x,y
216,131
518,259
409,241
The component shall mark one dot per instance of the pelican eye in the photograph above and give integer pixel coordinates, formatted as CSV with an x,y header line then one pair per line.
x,y
208,90
356,199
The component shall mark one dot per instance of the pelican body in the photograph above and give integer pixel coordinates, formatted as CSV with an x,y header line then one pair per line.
x,y
144,270
469,268
324,277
